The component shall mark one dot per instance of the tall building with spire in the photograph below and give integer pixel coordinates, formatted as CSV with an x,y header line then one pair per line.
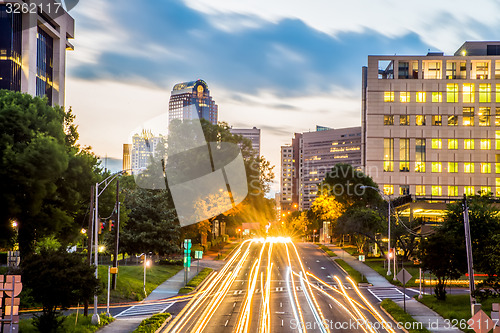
x,y
144,147
190,100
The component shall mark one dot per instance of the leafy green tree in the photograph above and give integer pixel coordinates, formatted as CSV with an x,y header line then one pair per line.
x,y
45,175
57,279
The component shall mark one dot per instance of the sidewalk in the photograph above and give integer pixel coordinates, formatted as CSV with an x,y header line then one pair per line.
x,y
414,308
167,289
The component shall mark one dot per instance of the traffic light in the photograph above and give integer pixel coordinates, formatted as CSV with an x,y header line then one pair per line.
x,y
111,225
101,227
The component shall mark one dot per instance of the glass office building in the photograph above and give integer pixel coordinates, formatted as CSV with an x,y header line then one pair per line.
x,y
190,100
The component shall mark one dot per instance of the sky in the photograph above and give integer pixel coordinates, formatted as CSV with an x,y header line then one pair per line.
x,y
283,66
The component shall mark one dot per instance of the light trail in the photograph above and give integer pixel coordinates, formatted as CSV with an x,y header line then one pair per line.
x,y
302,326
294,308
265,318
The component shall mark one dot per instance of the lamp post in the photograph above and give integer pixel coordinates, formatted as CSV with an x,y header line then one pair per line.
x,y
105,183
389,229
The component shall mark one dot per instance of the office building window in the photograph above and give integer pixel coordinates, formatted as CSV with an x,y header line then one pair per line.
x,y
452,120
386,69
485,144
469,190
389,120
497,140
452,143
437,167
436,120
497,190
432,69
452,93
420,155
388,96
468,93
469,144
480,70
485,167
404,189
453,191
497,116
420,120
452,167
485,190
420,190
484,93
468,167
421,96
404,120
484,116
404,97
497,163
437,97
436,143
408,69
44,65
468,116
497,69
436,190
404,155
388,155
451,70
388,189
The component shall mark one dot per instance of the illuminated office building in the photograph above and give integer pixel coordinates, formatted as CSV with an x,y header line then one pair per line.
x,y
127,158
431,123
253,134
192,100
33,51
310,156
144,147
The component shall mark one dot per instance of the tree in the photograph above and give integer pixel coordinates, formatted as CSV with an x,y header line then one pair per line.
x,y
441,255
57,278
327,208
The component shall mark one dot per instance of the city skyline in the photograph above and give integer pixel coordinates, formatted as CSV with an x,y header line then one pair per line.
x,y
281,70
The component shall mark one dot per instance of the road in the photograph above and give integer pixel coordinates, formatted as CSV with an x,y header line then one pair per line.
x,y
274,285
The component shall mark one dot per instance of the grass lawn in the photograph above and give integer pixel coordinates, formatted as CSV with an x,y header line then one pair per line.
x,y
129,283
378,266
402,317
355,275
329,252
82,325
196,281
456,307
352,250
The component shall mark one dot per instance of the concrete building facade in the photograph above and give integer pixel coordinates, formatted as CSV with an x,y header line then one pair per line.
x,y
192,100
144,147
33,46
253,134
431,123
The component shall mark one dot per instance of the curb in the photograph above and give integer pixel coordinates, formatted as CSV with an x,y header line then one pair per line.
x,y
392,318
164,324
333,261
201,284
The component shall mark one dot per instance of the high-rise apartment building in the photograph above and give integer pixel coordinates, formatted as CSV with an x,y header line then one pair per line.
x,y
144,147
192,100
310,157
33,48
253,134
127,158
431,124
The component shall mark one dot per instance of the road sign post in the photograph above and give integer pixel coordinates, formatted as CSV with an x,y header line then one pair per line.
x,y
198,255
403,277
187,259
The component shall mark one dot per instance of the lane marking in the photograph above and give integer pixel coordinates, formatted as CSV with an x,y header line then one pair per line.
x,y
227,321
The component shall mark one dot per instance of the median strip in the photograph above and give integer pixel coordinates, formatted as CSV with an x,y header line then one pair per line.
x,y
195,281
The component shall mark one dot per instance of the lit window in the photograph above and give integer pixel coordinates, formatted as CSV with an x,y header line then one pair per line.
x,y
388,96
420,120
453,191
497,164
485,190
468,116
404,97
420,190
437,97
497,99
404,189
388,189
469,190
420,155
404,120
436,143
497,190
497,116
388,155
436,120
452,167
432,69
452,143
468,93
497,69
497,140
485,144
389,120
436,167
421,97
484,93
469,144
452,92
436,190
484,116
468,167
404,155
480,70
485,167
452,120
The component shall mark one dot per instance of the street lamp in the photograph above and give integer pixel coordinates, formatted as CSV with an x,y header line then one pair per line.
x,y
389,229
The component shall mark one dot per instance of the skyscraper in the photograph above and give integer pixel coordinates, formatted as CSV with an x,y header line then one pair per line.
x,y
127,158
189,100
253,134
33,51
144,147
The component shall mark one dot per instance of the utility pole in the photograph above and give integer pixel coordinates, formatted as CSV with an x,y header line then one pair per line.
x,y
468,245
117,233
89,242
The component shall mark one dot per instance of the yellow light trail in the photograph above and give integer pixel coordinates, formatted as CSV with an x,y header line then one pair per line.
x,y
266,296
302,326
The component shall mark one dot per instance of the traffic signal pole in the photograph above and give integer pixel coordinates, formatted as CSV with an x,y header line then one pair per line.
x,y
117,233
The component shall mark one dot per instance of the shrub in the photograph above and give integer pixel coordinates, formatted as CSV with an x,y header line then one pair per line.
x,y
151,324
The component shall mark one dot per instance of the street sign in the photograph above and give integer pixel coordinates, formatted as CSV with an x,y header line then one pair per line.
x,y
187,244
18,286
361,257
403,276
480,322
113,270
198,254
